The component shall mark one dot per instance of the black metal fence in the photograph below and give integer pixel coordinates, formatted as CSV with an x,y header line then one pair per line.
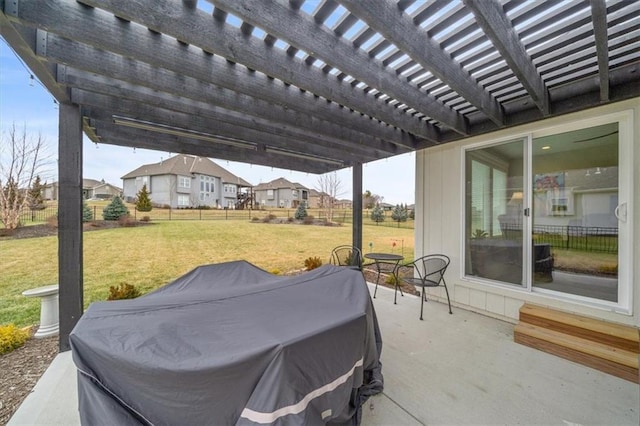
x,y
584,238
344,216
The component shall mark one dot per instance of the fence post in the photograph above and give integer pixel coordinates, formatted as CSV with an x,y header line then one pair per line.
x,y
169,213
94,213
135,213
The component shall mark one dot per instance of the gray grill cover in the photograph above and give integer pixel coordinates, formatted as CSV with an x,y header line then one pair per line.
x,y
231,344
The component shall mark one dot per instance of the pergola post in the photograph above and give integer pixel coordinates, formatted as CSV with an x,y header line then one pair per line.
x,y
69,220
357,205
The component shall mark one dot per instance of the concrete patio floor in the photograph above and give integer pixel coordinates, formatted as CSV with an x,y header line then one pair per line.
x,y
448,369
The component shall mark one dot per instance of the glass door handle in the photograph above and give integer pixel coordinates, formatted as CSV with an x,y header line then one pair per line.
x,y
621,217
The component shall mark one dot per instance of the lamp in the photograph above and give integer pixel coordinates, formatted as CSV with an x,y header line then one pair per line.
x,y
516,199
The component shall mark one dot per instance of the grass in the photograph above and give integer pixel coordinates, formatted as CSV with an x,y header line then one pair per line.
x,y
151,256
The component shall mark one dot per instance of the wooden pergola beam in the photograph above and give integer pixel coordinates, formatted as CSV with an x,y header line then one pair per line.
x,y
398,27
599,17
298,29
495,24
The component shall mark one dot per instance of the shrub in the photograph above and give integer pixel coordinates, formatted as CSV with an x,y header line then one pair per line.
x,y
115,210
301,212
275,271
377,214
87,213
52,222
255,219
312,263
124,291
11,338
399,214
290,219
308,220
126,220
391,279
145,219
143,202
268,218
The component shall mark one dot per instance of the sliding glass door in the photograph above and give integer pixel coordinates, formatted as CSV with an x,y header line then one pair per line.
x,y
548,212
494,206
575,197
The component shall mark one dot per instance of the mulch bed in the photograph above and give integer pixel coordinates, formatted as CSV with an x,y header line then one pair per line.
x,y
21,369
48,230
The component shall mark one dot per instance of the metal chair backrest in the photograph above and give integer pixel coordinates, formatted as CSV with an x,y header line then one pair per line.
x,y
431,268
346,255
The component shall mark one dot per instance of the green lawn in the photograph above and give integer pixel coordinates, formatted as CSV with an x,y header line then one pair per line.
x,y
150,256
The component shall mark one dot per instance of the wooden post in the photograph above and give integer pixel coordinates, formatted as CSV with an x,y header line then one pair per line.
x,y
69,220
357,205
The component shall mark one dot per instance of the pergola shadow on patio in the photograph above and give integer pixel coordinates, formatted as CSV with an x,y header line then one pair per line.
x,y
448,369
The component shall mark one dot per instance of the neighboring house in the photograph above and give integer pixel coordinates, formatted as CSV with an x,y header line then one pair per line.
x,y
185,181
99,189
51,191
91,189
318,200
281,193
344,204
386,206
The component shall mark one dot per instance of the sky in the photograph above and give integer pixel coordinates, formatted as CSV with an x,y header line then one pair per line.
x,y
25,103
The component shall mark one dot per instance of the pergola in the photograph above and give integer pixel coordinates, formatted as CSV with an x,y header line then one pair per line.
x,y
314,86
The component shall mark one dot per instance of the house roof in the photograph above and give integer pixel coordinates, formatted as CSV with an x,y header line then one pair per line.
x,y
280,183
186,165
320,85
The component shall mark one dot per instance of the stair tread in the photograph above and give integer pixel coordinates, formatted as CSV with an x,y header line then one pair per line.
x,y
611,329
579,344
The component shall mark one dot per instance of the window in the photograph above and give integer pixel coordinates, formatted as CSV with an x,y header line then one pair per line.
x,y
183,200
270,194
548,212
143,180
184,182
206,187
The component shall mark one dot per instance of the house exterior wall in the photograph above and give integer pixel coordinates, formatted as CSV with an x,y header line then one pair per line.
x,y
440,211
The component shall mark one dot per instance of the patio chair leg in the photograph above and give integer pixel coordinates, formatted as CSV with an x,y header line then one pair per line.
x,y
422,303
447,290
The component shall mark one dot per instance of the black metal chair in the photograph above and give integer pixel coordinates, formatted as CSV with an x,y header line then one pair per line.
x,y
429,272
348,256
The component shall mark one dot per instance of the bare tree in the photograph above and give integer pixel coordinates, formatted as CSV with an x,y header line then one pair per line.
x,y
370,200
22,157
330,188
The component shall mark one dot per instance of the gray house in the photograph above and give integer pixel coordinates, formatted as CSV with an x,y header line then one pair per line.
x,y
185,181
281,193
91,189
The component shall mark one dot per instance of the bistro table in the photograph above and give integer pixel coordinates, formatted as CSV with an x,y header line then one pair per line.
x,y
380,259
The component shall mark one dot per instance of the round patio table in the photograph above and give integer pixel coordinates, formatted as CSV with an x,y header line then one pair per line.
x,y
380,259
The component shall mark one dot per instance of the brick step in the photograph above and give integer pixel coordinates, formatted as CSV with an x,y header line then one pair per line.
x,y
615,335
611,348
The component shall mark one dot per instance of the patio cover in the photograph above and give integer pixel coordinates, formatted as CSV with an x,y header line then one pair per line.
x,y
231,344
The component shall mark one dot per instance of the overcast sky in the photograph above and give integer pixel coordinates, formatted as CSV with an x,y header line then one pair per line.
x,y
26,102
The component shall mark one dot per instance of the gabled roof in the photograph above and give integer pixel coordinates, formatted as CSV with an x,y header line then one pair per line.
x,y
280,183
186,165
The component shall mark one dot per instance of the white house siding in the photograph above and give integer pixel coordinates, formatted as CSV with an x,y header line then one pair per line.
x,y
440,207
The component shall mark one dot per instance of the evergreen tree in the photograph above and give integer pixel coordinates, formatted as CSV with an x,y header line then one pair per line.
x,y
87,213
36,201
412,214
377,214
399,214
115,209
301,211
143,202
